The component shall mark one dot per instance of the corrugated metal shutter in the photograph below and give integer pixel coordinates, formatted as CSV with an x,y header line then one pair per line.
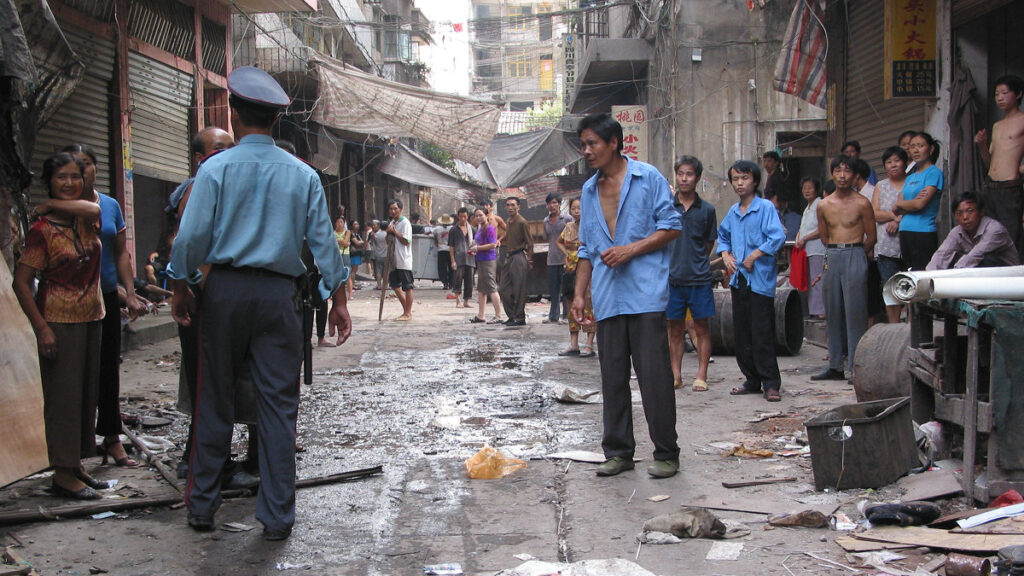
x,y
85,116
966,10
161,96
871,119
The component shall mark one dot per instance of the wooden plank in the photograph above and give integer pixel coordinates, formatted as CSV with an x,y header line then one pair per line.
x,y
760,506
23,450
851,544
941,539
950,408
971,414
757,482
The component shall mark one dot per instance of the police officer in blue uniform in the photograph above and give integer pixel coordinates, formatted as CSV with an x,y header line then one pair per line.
x,y
250,209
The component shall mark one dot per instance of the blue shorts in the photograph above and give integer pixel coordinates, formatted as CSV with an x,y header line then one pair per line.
x,y
699,299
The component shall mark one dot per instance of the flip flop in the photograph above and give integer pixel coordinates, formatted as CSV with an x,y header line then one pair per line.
x,y
586,352
477,320
570,352
741,390
700,385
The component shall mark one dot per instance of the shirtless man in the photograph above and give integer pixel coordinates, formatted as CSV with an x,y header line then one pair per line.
x,y
1002,193
494,220
846,225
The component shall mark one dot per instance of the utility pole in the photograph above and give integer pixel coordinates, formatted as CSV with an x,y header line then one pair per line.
x,y
675,72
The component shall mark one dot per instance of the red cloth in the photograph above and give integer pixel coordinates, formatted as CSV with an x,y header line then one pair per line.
x,y
799,272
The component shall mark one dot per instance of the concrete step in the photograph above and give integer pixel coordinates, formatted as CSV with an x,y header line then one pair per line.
x,y
149,329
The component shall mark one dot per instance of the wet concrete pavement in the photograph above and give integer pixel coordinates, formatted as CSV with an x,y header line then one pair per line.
x,y
421,397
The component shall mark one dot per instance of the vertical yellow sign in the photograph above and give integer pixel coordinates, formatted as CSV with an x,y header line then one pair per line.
x,y
911,48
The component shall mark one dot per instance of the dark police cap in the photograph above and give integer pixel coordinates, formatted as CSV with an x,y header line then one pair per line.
x,y
256,86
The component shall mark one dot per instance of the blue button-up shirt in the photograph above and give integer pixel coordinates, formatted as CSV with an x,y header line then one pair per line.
x,y
645,206
253,205
757,229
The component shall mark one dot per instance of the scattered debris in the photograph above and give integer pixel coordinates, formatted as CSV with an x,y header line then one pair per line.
x,y
841,522
578,456
802,451
235,527
523,557
489,464
724,551
804,518
98,570
688,523
757,482
964,565
614,567
103,515
762,416
155,421
902,513
655,537
659,497
572,396
453,569
742,451
997,514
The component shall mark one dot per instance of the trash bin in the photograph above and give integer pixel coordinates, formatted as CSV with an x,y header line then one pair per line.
x,y
864,445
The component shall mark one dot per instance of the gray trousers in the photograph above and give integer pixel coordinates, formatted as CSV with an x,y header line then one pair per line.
x,y
846,302
640,341
512,286
247,319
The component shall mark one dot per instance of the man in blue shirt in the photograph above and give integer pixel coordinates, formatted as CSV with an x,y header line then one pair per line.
x,y
689,277
250,209
748,238
626,224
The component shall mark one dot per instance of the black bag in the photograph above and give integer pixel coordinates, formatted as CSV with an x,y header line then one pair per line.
x,y
569,285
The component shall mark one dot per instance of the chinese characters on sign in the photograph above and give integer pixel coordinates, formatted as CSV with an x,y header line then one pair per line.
x,y
911,50
634,130
570,69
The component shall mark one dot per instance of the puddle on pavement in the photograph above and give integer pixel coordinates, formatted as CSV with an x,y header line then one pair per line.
x,y
420,413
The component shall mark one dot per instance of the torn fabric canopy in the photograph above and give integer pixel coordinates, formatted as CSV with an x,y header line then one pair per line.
x,y
409,166
516,160
355,101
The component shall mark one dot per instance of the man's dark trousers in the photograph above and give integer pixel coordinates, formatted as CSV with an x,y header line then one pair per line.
x,y
256,316
753,327
512,286
555,273
640,341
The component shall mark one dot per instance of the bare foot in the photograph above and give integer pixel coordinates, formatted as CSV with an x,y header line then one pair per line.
x,y
325,343
403,318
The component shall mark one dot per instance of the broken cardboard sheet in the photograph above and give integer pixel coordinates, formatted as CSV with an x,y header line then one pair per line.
x,y
940,539
23,450
568,395
614,567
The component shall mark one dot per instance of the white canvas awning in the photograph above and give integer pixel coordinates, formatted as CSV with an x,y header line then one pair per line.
x,y
353,100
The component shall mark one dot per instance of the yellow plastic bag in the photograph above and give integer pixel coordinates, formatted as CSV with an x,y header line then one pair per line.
x,y
489,464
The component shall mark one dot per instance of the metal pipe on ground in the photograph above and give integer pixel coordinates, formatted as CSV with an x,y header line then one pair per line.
x,y
789,323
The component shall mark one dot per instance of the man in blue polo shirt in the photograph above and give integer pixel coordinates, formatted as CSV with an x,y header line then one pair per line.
x,y
626,225
690,273
748,238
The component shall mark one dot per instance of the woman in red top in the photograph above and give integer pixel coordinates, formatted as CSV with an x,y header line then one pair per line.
x,y
66,313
